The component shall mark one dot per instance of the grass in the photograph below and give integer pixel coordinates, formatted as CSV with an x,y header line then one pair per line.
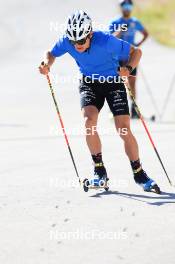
x,y
158,16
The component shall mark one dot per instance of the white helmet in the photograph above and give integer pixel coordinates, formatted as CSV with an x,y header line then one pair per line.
x,y
79,26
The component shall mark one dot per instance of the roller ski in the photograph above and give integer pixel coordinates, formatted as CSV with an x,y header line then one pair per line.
x,y
146,183
100,180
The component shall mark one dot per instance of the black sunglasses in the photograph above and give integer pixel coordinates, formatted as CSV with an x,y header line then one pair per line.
x,y
79,42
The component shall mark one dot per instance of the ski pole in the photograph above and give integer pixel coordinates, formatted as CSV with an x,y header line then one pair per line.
x,y
62,126
147,131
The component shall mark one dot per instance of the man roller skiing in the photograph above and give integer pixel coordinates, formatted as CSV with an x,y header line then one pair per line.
x,y
97,56
126,27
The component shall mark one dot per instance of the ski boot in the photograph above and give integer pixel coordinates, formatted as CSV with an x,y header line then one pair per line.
x,y
100,179
147,184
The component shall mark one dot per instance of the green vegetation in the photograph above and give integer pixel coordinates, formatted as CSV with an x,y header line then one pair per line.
x,y
158,16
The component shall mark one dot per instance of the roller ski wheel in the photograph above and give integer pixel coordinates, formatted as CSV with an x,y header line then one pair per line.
x,y
95,184
157,189
86,185
150,118
153,118
98,184
151,186
106,188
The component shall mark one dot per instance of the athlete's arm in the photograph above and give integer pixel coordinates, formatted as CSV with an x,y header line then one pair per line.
x,y
44,68
135,56
134,59
145,36
59,49
140,27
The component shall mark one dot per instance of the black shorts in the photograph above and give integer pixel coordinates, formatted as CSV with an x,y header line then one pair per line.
x,y
95,93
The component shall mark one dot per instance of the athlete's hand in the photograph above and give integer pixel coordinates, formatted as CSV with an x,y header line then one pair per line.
x,y
44,68
124,72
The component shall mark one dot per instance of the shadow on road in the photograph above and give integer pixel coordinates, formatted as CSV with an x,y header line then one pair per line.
x,y
163,198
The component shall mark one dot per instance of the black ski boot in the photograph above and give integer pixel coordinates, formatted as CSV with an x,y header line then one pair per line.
x,y
148,185
100,177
